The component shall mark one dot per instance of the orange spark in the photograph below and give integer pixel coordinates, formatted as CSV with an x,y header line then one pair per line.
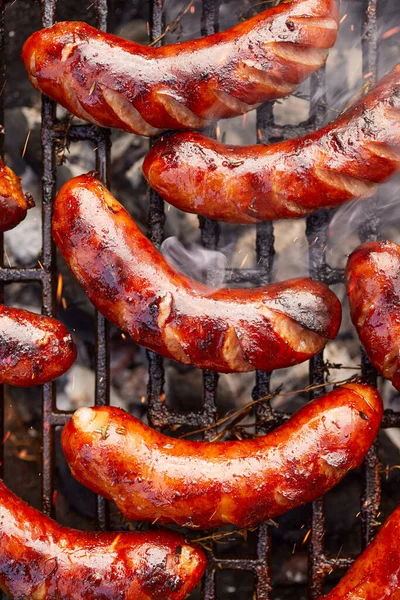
x,y
123,336
244,260
115,542
218,131
306,536
6,437
343,18
59,288
368,75
391,32
64,303
192,9
26,143
352,27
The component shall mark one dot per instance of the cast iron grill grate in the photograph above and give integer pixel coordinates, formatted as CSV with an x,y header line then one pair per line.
x,y
320,563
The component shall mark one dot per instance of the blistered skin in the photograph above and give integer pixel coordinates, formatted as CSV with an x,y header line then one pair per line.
x,y
40,560
341,162
13,204
373,287
376,574
117,83
132,285
151,476
33,349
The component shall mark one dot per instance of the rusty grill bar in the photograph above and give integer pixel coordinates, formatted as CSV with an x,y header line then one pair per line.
x,y
160,416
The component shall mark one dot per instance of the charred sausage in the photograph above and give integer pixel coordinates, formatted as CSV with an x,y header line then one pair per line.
x,y
341,162
373,288
33,349
13,204
40,560
376,574
197,484
132,285
116,83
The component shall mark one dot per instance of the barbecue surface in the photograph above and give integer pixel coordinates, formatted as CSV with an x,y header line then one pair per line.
x,y
255,571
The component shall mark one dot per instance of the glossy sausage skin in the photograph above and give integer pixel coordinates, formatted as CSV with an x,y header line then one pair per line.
x,y
150,476
373,287
116,83
33,349
13,204
376,574
40,560
341,162
132,285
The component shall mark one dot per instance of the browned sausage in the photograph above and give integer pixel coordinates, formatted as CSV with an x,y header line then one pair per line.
x,y
115,83
341,162
373,288
33,349
376,574
132,285
13,204
150,476
40,560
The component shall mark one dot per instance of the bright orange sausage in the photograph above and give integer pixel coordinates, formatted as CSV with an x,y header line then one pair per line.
x,y
373,288
197,484
376,574
33,349
40,560
133,286
341,162
116,83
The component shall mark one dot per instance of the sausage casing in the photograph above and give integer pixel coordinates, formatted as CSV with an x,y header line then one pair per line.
x,y
341,162
41,560
132,285
33,349
13,204
197,484
116,83
372,280
376,574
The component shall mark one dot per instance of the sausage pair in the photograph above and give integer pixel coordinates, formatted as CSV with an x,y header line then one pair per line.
x,y
116,83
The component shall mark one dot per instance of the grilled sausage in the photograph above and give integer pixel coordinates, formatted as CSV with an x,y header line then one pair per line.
x,y
13,204
33,349
150,476
341,162
373,287
133,286
376,574
115,83
41,560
